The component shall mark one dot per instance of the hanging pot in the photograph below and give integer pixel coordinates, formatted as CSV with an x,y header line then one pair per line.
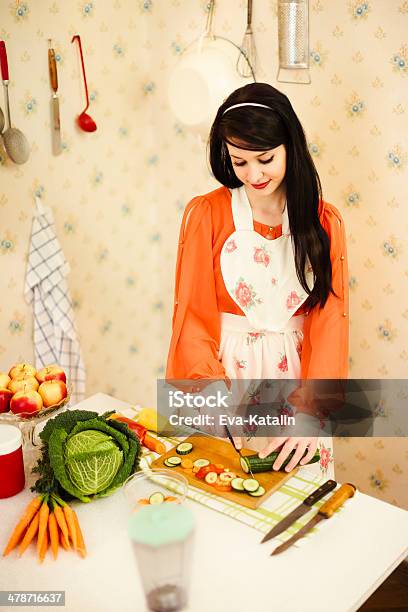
x,y
205,75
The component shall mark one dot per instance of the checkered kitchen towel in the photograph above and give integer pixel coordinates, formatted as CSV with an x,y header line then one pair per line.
x,y
55,337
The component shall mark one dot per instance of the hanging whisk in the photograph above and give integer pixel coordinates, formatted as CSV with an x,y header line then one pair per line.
x,y
246,64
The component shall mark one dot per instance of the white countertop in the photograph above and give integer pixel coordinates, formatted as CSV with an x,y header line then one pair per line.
x,y
337,569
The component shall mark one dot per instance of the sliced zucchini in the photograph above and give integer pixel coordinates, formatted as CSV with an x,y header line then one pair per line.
x,y
237,484
156,498
167,464
199,463
250,485
255,464
258,493
211,478
173,461
227,477
184,448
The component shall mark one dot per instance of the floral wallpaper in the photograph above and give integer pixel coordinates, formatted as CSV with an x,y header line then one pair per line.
x,y
118,194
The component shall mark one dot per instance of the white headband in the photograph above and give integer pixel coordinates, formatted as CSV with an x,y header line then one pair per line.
x,y
246,104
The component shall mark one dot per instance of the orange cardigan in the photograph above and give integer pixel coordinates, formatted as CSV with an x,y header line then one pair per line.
x,y
200,295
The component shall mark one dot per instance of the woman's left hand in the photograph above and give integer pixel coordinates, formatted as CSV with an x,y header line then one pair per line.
x,y
288,445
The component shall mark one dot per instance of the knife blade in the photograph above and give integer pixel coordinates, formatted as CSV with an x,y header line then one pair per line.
x,y
231,439
300,510
326,511
55,111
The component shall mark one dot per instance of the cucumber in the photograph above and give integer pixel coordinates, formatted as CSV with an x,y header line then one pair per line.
x,y
211,478
237,485
258,493
167,464
250,485
199,463
173,461
156,498
184,448
254,464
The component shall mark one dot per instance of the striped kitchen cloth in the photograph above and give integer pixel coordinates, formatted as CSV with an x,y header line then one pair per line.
x,y
46,288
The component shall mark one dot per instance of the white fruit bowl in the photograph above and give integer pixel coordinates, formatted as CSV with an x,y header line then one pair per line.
x,y
28,423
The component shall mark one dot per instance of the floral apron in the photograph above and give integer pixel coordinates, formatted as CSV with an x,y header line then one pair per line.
x,y
260,276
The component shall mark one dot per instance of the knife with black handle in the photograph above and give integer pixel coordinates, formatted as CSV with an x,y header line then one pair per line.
x,y
326,511
300,510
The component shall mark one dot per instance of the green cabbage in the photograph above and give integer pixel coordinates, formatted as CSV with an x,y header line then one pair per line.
x,y
93,459
86,457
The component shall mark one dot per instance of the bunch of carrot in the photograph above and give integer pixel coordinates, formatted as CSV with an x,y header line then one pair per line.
x,y
54,523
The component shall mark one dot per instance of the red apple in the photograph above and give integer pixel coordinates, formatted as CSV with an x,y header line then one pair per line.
x,y
23,383
52,392
26,402
22,369
51,372
5,397
4,380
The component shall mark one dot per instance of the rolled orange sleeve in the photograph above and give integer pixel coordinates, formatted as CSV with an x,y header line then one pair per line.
x,y
194,345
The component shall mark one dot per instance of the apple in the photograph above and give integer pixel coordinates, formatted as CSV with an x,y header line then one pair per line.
x,y
26,402
23,383
5,397
22,369
51,372
4,380
52,392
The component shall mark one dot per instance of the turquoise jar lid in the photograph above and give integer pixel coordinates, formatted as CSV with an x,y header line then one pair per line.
x,y
160,524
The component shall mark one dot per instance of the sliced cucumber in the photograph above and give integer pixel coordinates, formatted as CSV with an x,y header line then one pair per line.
x,y
156,498
173,461
227,477
167,464
250,485
255,464
237,484
199,463
258,493
184,448
211,478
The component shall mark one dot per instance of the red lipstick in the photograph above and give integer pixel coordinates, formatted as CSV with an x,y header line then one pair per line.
x,y
261,185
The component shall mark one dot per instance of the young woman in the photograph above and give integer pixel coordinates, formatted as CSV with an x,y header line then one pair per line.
x,y
261,278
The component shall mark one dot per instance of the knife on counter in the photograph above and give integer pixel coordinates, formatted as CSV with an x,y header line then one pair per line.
x,y
326,511
55,111
300,510
231,439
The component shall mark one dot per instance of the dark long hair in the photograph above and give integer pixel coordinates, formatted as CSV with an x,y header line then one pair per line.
x,y
261,129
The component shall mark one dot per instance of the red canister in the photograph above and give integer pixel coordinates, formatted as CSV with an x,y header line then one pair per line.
x,y
12,478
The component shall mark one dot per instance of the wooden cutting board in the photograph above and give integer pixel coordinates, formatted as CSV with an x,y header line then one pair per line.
x,y
220,451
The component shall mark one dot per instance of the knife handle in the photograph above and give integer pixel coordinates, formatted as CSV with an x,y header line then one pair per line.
x,y
337,499
328,486
3,61
53,70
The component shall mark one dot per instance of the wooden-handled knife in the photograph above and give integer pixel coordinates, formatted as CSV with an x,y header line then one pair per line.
x,y
326,511
55,111
300,510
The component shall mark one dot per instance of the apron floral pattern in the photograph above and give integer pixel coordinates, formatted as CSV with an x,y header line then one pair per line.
x,y
266,343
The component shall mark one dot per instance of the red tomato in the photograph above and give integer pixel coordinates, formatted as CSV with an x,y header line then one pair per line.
x,y
202,472
218,468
